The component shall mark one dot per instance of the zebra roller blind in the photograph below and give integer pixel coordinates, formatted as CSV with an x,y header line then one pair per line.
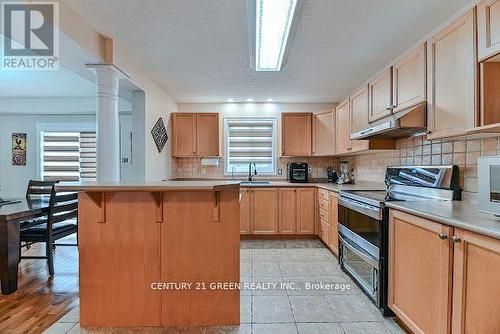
x,y
68,156
247,140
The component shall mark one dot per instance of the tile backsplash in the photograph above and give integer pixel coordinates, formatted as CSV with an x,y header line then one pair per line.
x,y
371,167
418,151
192,168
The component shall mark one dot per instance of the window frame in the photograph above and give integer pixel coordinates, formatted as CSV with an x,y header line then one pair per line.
x,y
227,121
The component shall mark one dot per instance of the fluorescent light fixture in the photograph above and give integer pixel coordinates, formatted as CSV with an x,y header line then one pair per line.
x,y
230,100
269,100
249,100
273,19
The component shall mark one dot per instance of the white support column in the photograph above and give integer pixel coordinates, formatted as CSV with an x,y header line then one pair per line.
x,y
107,125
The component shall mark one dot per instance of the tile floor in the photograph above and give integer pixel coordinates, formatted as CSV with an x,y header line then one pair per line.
x,y
292,287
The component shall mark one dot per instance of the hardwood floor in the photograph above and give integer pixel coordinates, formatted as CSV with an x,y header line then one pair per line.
x,y
40,300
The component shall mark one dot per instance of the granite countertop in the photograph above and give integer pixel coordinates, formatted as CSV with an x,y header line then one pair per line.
x,y
205,185
462,214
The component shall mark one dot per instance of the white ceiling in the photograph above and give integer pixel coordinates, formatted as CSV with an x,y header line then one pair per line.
x,y
198,50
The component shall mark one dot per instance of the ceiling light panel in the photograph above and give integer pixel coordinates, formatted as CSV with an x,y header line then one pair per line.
x,y
272,28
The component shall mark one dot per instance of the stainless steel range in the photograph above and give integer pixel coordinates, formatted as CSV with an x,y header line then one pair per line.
x,y
363,222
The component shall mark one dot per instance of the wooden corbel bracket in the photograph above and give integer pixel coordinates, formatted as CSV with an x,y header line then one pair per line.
x,y
158,201
216,207
99,199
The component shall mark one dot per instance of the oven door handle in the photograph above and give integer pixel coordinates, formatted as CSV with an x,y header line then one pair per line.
x,y
371,261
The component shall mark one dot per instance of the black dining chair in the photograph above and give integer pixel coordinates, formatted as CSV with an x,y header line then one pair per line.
x,y
37,190
62,221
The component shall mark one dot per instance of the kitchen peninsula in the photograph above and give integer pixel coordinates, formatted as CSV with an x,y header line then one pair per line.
x,y
151,253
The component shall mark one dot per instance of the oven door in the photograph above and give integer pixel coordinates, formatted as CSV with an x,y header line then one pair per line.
x,y
362,267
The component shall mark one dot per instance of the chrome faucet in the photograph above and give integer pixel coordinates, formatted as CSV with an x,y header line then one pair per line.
x,y
250,176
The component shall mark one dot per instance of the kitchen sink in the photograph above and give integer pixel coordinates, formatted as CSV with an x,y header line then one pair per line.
x,y
255,183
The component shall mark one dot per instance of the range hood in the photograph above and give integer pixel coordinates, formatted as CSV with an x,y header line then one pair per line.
x,y
408,123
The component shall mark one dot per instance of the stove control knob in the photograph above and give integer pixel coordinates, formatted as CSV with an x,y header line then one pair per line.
x,y
443,236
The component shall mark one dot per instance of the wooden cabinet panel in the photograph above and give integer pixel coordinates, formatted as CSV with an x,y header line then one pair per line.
x,y
207,134
334,223
380,96
264,211
325,232
296,134
358,106
488,23
343,128
137,245
188,228
288,211
184,134
358,111
476,273
245,211
420,273
324,134
452,84
305,210
409,80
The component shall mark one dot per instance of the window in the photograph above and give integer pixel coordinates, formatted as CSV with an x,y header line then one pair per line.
x,y
247,140
68,156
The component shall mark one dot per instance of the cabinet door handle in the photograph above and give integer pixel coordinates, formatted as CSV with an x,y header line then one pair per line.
x,y
443,236
456,239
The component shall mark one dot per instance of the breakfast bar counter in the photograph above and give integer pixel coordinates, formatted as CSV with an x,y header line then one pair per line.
x,y
158,253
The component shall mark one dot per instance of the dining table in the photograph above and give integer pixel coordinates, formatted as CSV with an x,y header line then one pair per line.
x,y
12,213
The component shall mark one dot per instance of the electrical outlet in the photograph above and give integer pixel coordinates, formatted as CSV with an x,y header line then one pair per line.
x,y
280,171
203,171
309,169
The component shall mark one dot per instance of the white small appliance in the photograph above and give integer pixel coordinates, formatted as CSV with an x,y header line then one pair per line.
x,y
489,184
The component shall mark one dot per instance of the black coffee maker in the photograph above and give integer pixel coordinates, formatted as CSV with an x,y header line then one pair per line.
x,y
332,174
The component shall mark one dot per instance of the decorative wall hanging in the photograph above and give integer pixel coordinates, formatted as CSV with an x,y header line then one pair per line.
x,y
159,133
19,149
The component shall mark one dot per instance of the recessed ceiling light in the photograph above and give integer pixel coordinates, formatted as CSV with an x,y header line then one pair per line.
x,y
269,100
249,100
273,19
230,100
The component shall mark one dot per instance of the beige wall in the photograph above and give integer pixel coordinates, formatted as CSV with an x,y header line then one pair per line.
x,y
191,167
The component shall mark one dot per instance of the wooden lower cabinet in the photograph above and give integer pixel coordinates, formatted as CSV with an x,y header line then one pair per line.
x,y
324,231
476,288
441,279
420,273
288,211
334,223
244,211
264,211
305,210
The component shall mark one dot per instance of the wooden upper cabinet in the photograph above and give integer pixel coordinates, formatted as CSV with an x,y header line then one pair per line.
x,y
409,80
452,82
488,23
207,134
379,96
476,273
184,134
343,127
305,210
420,273
264,211
245,211
296,134
288,210
358,106
195,134
324,134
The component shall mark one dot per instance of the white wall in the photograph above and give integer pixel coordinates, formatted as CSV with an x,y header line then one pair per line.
x,y
157,103
15,117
